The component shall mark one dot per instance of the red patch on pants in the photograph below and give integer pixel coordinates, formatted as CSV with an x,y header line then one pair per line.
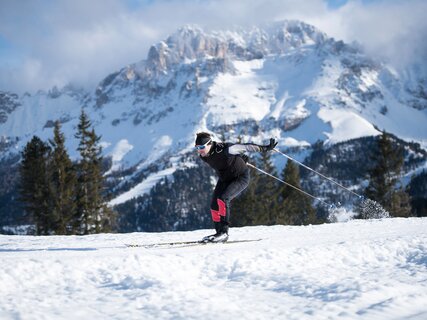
x,y
222,211
215,216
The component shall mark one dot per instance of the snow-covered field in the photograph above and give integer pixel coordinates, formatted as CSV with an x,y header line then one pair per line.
x,y
355,270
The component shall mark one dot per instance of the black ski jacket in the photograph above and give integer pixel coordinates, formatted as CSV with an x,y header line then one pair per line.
x,y
227,161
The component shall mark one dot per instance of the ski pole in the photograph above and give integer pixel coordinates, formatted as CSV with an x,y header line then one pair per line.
x,y
318,173
290,185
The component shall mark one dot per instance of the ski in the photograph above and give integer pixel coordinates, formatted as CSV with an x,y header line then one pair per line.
x,y
186,243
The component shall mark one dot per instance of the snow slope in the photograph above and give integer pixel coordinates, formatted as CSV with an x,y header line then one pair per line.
x,y
356,270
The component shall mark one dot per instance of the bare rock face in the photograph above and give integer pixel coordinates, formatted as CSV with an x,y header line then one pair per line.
x,y
8,103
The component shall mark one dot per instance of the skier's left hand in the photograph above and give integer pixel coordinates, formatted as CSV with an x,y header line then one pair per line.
x,y
271,146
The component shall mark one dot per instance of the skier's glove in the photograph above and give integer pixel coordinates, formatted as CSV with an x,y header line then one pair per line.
x,y
269,147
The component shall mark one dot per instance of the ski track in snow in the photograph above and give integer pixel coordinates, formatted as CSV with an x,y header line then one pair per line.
x,y
356,270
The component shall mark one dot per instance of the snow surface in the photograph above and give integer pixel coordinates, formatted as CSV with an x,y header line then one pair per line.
x,y
355,270
345,124
117,154
239,97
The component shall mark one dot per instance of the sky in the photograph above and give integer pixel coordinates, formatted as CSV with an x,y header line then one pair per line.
x,y
45,43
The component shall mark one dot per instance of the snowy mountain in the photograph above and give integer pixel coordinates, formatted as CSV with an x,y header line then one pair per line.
x,y
286,80
357,270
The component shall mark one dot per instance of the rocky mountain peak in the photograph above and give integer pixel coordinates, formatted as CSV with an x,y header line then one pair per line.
x,y
8,103
288,34
191,42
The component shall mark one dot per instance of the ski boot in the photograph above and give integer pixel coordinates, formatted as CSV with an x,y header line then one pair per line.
x,y
221,234
217,237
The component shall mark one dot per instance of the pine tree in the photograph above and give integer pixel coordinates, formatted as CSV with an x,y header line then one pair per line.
x,y
82,217
92,213
295,207
384,176
418,193
100,211
400,204
35,188
266,193
63,181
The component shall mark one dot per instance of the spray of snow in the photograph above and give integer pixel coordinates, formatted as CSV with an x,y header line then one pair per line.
x,y
370,209
340,215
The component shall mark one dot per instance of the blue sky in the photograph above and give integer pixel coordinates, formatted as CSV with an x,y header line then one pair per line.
x,y
335,4
340,3
45,43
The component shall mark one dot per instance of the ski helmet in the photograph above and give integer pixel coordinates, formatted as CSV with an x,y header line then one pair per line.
x,y
203,138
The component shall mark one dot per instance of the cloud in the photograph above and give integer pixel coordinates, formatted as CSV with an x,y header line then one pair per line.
x,y
69,41
81,41
392,30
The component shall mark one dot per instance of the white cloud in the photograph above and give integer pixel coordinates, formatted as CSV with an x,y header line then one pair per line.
x,y
396,30
70,41
83,41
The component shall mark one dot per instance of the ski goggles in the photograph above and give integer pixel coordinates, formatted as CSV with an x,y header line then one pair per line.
x,y
203,146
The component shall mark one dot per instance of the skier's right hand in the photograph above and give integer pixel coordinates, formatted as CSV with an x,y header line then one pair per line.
x,y
271,146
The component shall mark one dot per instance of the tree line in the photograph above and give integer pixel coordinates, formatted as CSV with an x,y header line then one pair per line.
x,y
385,186
268,202
62,197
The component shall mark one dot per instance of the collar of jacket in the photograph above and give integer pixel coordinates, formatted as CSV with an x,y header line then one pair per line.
x,y
213,147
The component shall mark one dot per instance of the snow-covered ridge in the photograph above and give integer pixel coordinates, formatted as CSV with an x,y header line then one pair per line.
x,y
355,270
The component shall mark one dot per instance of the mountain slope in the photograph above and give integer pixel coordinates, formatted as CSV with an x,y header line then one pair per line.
x,y
359,269
287,80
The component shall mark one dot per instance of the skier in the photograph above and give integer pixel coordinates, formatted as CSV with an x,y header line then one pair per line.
x,y
229,162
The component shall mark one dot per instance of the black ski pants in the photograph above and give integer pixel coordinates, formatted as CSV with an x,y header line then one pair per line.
x,y
224,192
